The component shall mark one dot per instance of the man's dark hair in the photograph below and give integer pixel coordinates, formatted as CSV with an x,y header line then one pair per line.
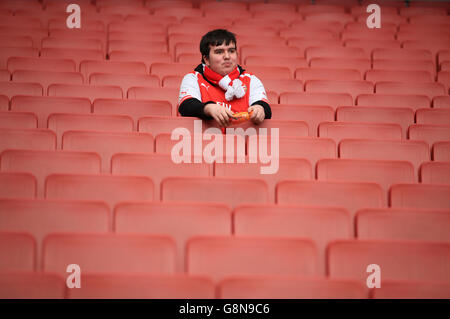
x,y
215,38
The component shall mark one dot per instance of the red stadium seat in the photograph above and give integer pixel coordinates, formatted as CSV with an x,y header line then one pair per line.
x,y
307,74
321,224
342,130
399,76
164,69
130,45
5,75
429,133
43,163
273,73
290,62
42,217
353,88
82,33
223,256
402,116
398,260
305,41
87,68
430,196
134,109
368,45
285,128
435,173
384,173
313,115
443,56
172,81
417,11
412,290
6,53
268,51
401,54
433,45
88,91
17,251
179,13
374,34
111,189
430,89
72,43
135,23
413,101
131,286
403,224
17,185
340,52
109,253
45,78
441,101
444,79
146,57
330,99
125,81
181,221
433,116
60,123
153,36
106,144
18,120
362,65
231,191
11,89
35,139
44,106
441,151
4,103
163,94
35,34
76,55
157,125
27,22
299,31
31,285
288,168
405,65
349,195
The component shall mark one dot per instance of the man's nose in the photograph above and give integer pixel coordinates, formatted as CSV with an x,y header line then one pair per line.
x,y
227,55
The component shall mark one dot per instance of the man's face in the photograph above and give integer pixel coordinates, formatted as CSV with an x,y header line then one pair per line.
x,y
222,58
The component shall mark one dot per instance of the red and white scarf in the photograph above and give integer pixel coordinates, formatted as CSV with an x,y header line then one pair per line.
x,y
230,83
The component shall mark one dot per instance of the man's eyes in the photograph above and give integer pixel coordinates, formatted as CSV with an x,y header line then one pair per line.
x,y
222,51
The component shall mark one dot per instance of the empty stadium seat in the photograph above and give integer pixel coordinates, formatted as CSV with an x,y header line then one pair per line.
x,y
223,256
415,152
321,224
441,151
17,251
412,290
43,163
405,65
181,221
306,74
401,54
430,89
403,224
398,260
5,75
402,116
309,39
146,57
4,103
44,106
368,45
271,72
354,88
268,51
288,168
131,286
88,91
282,85
288,287
228,190
384,173
111,189
40,64
74,54
399,76
441,101
72,43
311,114
342,130
133,108
10,89
42,217
339,52
413,101
18,120
435,173
87,68
290,62
311,148
6,53
429,133
362,65
433,45
62,122
331,99
433,116
163,94
430,196
108,253
31,285
172,81
444,78
349,195
36,139
45,78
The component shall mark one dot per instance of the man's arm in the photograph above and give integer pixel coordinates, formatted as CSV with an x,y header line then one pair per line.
x,y
258,96
190,99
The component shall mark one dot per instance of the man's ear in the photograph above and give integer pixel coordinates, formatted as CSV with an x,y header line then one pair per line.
x,y
206,60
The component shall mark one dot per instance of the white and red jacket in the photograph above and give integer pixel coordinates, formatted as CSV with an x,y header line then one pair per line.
x,y
196,91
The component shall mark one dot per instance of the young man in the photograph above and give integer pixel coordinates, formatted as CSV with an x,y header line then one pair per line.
x,y
219,87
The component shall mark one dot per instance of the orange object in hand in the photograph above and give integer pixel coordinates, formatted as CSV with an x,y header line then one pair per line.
x,y
241,116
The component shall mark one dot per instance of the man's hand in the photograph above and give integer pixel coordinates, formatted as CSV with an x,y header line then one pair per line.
x,y
258,113
219,113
